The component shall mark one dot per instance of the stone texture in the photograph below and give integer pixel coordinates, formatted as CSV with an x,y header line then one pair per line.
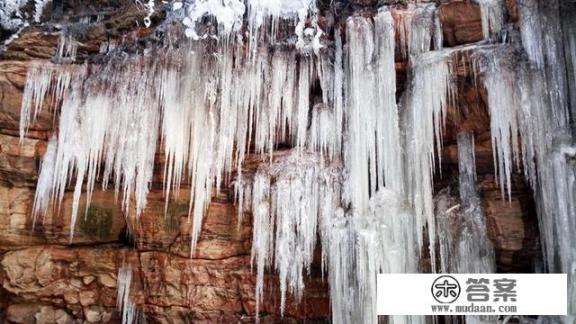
x,y
461,23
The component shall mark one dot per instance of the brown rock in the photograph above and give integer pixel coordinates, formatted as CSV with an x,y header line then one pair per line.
x,y
103,223
461,22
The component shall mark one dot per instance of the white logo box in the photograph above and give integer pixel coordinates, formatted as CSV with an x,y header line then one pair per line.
x,y
413,294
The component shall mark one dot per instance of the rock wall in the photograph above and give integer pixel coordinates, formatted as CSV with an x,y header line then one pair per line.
x,y
45,278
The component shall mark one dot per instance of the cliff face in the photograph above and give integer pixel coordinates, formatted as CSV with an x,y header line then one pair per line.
x,y
48,279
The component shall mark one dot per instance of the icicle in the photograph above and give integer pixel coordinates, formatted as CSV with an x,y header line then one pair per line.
x,y
418,28
520,97
403,24
130,313
38,83
423,30
67,47
500,83
288,198
326,125
531,30
386,243
492,15
338,100
374,152
42,81
321,130
303,102
39,9
476,254
86,134
44,186
339,245
389,153
464,245
431,92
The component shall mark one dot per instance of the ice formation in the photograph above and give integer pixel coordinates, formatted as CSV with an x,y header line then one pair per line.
x,y
44,81
124,303
228,15
39,9
492,15
10,16
431,93
289,196
67,47
374,156
464,245
425,31
527,129
500,80
358,177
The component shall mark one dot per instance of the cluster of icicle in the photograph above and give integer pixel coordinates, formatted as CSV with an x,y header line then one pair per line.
x,y
263,19
530,103
364,207
130,313
463,243
353,179
208,108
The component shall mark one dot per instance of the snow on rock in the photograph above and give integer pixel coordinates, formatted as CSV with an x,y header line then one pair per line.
x,y
227,13
10,15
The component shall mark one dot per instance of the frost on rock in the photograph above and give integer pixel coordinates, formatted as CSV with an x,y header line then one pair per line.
x,y
11,16
263,18
289,196
426,104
